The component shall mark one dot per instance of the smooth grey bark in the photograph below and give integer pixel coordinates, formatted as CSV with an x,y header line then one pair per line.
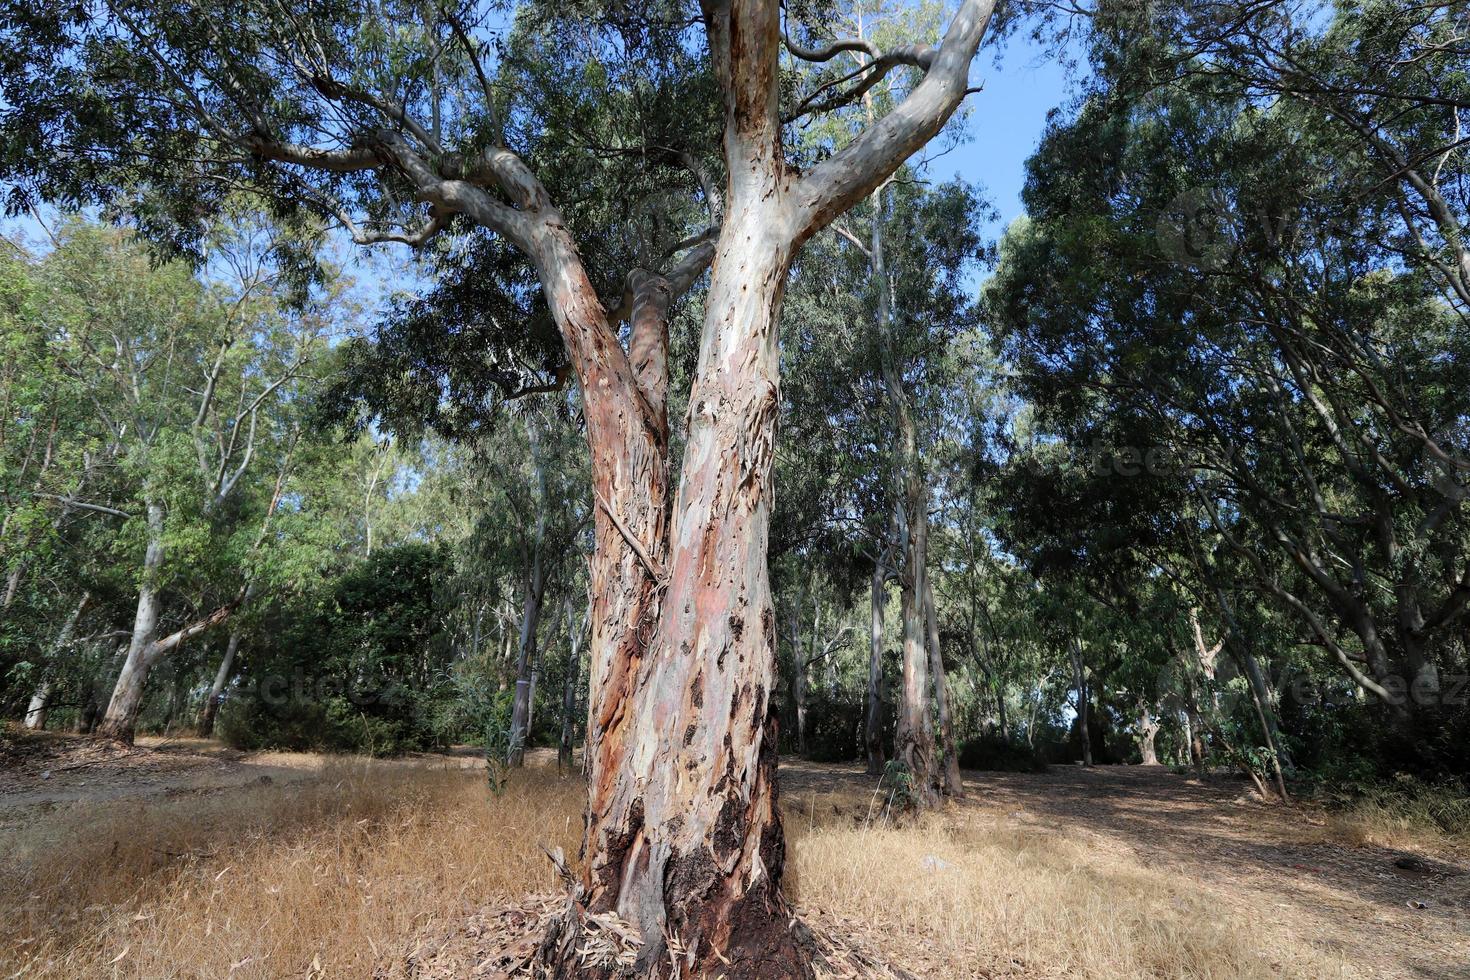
x,y
36,709
40,702
217,689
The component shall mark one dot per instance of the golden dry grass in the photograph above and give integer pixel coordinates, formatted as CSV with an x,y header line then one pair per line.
x,y
965,893
1418,817
334,875
339,874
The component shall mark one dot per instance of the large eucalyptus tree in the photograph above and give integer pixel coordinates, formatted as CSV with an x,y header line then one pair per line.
x,y
392,119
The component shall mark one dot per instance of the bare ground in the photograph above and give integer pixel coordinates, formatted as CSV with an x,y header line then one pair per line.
x,y
1210,837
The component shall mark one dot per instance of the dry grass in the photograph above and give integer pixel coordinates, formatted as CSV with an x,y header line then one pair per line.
x,y
963,893
335,874
1412,816
339,874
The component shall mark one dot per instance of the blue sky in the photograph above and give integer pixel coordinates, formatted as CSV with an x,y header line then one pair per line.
x,y
1005,122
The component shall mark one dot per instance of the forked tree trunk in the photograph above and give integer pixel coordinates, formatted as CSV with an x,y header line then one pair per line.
x,y
953,784
217,689
683,832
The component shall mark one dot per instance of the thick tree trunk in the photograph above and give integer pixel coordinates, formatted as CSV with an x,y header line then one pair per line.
x,y
1148,731
953,784
684,831
36,710
217,689
873,716
127,695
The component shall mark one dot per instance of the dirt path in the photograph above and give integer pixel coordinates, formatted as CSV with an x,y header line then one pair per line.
x,y
1352,900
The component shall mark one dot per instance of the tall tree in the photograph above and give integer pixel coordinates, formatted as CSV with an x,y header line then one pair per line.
x,y
322,109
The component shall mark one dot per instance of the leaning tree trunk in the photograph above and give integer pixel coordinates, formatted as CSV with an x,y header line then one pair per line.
x,y
127,695
953,784
217,689
41,698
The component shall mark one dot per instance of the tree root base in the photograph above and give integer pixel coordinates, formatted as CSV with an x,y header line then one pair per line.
x,y
520,941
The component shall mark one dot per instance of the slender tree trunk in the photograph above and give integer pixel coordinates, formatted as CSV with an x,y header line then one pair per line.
x,y
953,784
1000,701
914,737
569,689
41,699
533,593
217,689
1079,670
873,717
799,679
520,717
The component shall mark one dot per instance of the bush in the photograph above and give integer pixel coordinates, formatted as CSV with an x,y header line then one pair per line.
x,y
992,753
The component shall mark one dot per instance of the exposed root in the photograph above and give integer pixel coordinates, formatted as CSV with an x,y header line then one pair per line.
x,y
526,940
